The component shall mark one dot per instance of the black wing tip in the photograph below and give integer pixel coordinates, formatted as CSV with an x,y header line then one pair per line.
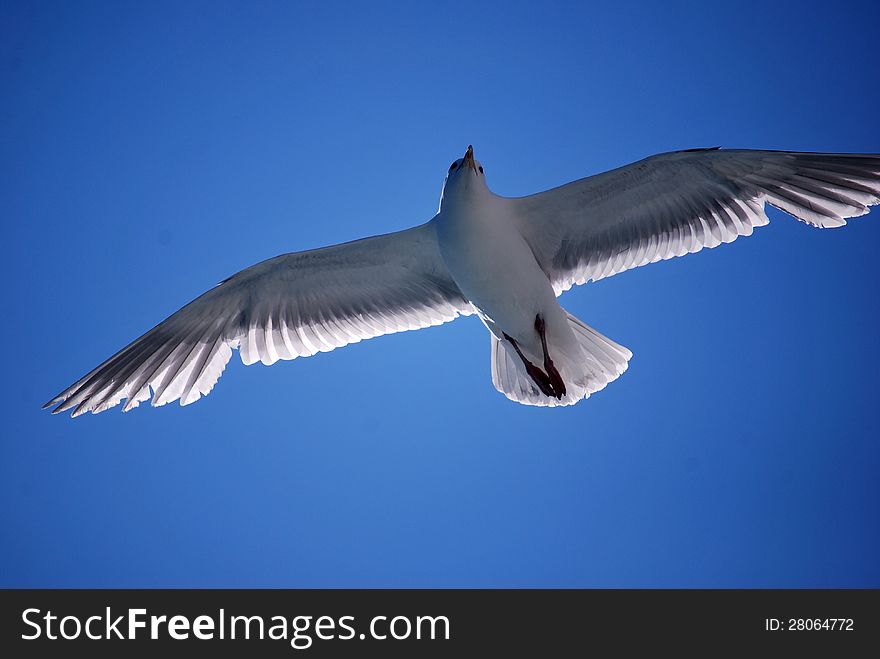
x,y
698,149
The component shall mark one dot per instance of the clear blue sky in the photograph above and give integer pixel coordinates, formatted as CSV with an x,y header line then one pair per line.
x,y
149,151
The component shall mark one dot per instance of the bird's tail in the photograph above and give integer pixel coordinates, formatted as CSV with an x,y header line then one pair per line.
x,y
597,361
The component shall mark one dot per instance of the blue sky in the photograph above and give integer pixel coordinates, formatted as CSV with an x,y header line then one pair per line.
x,y
151,151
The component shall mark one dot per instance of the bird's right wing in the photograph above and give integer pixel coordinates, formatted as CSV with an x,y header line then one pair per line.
x,y
290,306
678,203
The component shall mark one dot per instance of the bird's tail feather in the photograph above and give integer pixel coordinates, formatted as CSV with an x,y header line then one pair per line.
x,y
600,361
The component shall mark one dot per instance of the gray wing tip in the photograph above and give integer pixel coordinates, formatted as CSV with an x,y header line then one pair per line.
x,y
62,405
57,400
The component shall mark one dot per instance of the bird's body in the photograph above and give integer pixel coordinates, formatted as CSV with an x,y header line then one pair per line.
x,y
495,269
506,259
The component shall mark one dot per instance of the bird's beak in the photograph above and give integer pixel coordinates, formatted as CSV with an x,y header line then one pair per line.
x,y
469,158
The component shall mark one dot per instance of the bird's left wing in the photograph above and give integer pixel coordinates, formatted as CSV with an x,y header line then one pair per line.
x,y
677,203
290,306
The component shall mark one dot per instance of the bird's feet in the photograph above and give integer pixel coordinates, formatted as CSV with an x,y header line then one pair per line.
x,y
550,383
555,378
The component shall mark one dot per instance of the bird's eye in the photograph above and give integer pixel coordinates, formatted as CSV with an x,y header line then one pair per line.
x,y
481,169
452,166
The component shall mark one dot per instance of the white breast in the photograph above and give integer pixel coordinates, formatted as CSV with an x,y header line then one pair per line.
x,y
496,270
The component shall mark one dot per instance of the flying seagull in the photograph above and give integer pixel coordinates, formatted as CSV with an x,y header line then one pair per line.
x,y
504,259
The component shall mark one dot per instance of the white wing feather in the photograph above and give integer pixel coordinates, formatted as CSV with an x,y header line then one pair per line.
x,y
293,305
677,203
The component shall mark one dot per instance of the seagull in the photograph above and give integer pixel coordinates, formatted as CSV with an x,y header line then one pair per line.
x,y
504,259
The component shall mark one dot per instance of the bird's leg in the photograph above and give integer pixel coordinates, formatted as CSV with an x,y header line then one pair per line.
x,y
554,376
544,383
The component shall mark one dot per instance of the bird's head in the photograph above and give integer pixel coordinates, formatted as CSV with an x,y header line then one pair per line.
x,y
464,178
